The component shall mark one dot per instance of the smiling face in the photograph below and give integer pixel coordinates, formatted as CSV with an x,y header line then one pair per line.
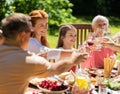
x,y
40,27
69,39
100,25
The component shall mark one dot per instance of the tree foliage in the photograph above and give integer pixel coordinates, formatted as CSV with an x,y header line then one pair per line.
x,y
59,11
94,7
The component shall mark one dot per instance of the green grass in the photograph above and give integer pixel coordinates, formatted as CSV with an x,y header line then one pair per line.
x,y
114,27
52,39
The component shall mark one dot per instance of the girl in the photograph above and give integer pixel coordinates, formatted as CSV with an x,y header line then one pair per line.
x,y
67,39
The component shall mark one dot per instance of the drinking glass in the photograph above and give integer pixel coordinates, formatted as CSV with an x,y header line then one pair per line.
x,y
97,42
82,80
81,49
90,47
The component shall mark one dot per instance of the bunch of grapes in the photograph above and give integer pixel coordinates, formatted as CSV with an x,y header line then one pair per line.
x,y
52,85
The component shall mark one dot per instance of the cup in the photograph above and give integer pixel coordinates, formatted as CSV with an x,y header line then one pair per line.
x,y
102,89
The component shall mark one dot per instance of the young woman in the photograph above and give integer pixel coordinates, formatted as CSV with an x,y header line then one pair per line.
x,y
38,42
96,59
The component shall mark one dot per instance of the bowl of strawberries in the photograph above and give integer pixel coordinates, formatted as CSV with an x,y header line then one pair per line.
x,y
52,86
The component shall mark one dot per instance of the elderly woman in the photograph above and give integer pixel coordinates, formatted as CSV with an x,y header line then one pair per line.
x,y
96,59
17,65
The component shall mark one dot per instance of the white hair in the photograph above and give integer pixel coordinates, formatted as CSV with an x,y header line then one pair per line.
x,y
99,17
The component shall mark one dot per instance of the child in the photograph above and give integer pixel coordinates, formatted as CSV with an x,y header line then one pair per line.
x,y
67,38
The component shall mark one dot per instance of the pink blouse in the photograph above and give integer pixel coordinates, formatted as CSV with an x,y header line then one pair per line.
x,y
96,58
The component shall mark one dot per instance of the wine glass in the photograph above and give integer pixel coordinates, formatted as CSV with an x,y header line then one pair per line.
x,y
90,43
90,47
81,49
97,42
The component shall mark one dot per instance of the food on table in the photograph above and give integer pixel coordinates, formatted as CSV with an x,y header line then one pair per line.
x,y
52,85
64,74
93,80
69,77
108,66
114,83
92,72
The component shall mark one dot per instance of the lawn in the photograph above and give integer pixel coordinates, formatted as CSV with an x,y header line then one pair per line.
x,y
114,27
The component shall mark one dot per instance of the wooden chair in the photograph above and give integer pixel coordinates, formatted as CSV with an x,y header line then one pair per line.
x,y
82,33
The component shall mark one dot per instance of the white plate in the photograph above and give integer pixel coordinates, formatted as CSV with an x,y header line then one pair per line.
x,y
51,92
36,81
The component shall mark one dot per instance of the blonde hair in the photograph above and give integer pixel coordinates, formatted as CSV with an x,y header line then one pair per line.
x,y
35,15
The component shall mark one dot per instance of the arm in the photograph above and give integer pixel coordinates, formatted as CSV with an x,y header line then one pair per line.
x,y
65,65
56,53
111,45
43,68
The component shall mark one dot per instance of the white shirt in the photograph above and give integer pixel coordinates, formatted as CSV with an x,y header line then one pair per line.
x,y
36,47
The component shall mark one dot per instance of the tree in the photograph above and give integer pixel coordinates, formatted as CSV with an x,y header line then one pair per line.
x,y
59,11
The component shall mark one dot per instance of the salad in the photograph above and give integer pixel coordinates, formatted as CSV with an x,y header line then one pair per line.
x,y
114,83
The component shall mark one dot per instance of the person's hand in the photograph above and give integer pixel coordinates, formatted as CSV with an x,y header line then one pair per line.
x,y
76,90
108,44
106,39
78,57
42,55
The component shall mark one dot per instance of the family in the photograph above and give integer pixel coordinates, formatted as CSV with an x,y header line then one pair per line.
x,y
25,51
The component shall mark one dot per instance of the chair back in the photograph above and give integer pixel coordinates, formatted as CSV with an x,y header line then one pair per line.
x,y
82,33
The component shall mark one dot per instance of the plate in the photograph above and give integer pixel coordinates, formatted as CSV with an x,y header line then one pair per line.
x,y
35,81
52,92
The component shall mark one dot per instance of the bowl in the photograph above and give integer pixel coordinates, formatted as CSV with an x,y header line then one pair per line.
x,y
52,92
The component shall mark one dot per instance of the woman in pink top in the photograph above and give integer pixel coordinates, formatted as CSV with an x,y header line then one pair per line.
x,y
100,27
